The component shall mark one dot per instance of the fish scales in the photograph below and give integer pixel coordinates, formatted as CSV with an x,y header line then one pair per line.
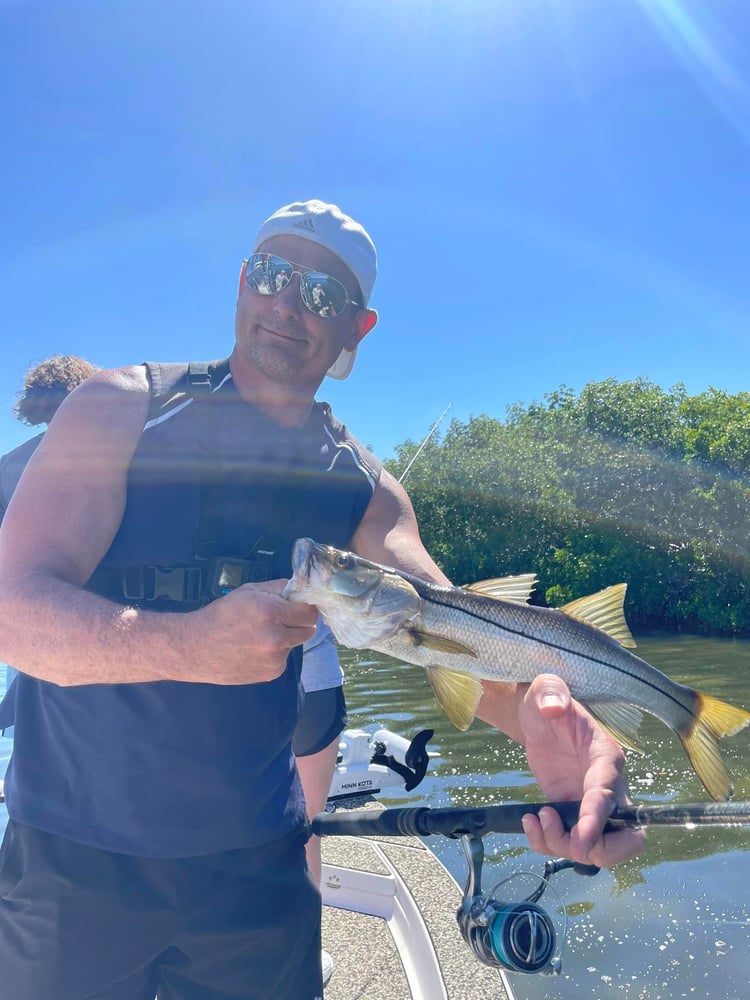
x,y
522,642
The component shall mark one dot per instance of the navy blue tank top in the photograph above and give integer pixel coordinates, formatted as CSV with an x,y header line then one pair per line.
x,y
172,769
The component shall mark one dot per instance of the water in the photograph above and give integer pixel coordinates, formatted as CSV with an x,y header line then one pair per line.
x,y
675,922
672,923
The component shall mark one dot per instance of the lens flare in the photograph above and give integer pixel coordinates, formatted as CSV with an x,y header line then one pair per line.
x,y
704,50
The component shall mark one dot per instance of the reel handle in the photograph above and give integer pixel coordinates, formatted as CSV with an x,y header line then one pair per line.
x,y
587,870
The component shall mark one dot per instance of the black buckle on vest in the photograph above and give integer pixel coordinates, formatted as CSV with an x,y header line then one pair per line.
x,y
153,583
226,572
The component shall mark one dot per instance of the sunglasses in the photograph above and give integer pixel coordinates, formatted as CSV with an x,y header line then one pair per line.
x,y
323,294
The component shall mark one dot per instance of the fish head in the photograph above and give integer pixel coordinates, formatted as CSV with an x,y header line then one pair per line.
x,y
361,601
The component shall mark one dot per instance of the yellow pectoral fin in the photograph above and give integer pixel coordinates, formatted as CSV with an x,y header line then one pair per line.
x,y
458,693
440,643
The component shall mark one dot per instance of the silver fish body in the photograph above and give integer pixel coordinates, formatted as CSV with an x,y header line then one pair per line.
x,y
461,636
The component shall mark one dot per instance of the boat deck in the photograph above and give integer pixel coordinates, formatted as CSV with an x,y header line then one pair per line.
x,y
407,945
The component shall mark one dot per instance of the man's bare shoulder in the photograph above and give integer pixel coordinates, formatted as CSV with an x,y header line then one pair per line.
x,y
130,383
104,415
110,394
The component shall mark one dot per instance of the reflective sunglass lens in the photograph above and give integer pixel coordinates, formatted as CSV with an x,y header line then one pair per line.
x,y
323,295
280,273
256,275
268,275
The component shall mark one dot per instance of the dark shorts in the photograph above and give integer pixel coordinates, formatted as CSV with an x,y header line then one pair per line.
x,y
321,719
77,923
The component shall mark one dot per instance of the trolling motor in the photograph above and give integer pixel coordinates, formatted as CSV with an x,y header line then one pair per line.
x,y
369,762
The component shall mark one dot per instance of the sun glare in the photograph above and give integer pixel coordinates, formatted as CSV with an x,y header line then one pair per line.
x,y
701,48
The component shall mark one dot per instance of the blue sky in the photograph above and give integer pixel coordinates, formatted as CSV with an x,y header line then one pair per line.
x,y
558,189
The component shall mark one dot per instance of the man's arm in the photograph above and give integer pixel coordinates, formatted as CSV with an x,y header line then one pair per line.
x,y
569,754
389,534
60,523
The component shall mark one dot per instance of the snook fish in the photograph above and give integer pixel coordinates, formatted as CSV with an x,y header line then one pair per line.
x,y
486,630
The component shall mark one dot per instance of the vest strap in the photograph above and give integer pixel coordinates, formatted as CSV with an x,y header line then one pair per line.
x,y
153,583
196,585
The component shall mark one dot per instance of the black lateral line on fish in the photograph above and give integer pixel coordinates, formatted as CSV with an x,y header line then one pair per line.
x,y
570,652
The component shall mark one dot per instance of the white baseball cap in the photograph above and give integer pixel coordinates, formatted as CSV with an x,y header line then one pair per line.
x,y
327,226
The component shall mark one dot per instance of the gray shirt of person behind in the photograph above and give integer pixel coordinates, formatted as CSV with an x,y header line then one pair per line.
x,y
11,468
320,661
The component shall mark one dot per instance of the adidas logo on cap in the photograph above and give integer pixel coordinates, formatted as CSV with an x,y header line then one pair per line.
x,y
306,223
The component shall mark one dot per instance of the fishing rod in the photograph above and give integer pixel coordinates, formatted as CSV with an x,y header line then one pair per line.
x,y
506,928
506,818
417,453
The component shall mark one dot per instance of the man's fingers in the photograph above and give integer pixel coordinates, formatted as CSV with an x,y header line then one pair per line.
x,y
269,586
291,614
547,836
546,833
548,695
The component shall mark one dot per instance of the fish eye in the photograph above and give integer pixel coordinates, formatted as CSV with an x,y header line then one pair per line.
x,y
343,560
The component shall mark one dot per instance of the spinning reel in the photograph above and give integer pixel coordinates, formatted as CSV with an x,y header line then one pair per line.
x,y
515,934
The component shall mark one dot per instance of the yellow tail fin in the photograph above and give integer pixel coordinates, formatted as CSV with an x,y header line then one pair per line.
x,y
713,719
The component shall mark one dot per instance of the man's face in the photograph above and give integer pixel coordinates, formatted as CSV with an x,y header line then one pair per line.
x,y
280,336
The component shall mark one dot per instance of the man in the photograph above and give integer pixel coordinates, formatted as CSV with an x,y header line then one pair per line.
x,y
156,833
323,714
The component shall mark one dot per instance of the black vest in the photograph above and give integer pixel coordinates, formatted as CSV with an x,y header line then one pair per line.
x,y
175,769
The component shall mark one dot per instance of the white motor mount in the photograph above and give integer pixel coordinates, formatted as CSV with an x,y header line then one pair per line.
x,y
369,762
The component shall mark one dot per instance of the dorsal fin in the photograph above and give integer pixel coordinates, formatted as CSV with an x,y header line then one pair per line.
x,y
604,611
517,589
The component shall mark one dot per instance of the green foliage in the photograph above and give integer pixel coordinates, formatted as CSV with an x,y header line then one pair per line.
x,y
625,481
717,429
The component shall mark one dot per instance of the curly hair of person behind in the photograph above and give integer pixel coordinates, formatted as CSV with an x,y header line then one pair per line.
x,y
47,384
